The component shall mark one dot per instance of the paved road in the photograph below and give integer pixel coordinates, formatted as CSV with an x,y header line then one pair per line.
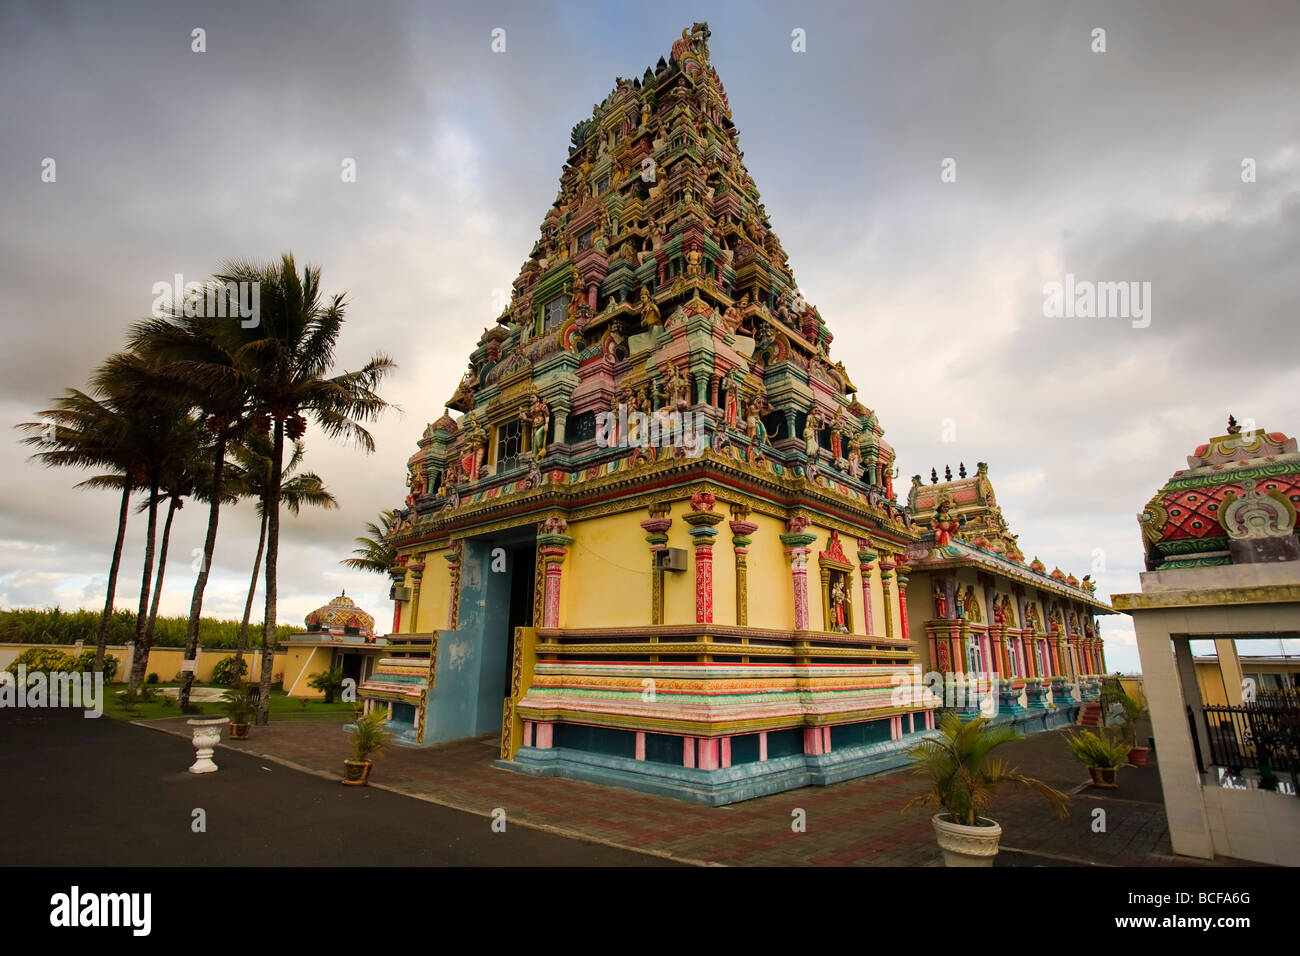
x,y
101,792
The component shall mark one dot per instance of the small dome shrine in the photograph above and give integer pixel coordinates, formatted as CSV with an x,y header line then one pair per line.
x,y
340,616
1234,503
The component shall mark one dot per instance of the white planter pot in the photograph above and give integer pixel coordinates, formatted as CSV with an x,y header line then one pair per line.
x,y
207,734
967,846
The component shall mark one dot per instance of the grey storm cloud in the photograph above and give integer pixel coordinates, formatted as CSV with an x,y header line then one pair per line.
x,y
1115,166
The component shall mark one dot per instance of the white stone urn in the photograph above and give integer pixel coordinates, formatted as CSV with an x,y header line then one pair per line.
x,y
967,846
207,734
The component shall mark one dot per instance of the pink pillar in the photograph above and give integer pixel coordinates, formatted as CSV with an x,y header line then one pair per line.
x,y
545,735
796,541
865,557
762,746
708,753
826,740
812,741
726,751
704,581
528,732
640,745
551,611
688,751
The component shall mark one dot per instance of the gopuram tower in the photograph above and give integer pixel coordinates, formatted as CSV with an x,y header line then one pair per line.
x,y
658,544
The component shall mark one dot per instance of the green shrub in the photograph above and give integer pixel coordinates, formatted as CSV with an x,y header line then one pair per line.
x,y
328,682
46,660
1097,750
152,678
86,664
224,672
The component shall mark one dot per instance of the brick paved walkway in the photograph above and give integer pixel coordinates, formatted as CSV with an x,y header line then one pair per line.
x,y
848,824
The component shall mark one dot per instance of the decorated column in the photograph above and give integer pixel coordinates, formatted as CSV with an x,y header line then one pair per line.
x,y
796,541
865,557
741,529
901,572
702,518
887,566
657,526
555,546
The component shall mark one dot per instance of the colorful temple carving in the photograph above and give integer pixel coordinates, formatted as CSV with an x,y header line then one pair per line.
x,y
1234,503
1029,635
660,546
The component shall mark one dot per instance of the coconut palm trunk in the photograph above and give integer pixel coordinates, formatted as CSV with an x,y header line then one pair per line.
x,y
113,567
140,655
162,568
201,582
242,644
271,508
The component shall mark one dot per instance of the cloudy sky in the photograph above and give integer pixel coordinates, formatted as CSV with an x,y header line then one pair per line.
x,y
1123,165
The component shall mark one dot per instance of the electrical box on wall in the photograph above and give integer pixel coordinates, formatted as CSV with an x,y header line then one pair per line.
x,y
670,559
399,593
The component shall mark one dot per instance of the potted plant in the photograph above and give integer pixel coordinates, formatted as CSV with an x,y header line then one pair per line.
x,y
1134,710
369,738
964,780
1101,755
239,708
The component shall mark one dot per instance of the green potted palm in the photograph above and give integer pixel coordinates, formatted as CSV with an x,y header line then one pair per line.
x,y
964,779
1102,755
1135,711
239,709
369,738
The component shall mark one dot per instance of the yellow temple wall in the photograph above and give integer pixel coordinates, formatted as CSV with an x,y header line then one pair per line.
x,y
771,594
607,577
434,592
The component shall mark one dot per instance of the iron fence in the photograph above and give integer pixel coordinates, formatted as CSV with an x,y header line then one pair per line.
x,y
1262,735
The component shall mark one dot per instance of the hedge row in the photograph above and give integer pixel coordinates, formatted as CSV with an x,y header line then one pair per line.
x,y
54,626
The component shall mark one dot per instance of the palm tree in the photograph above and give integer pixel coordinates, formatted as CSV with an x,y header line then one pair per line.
x,y
205,358
290,366
376,552
964,776
81,431
252,456
171,435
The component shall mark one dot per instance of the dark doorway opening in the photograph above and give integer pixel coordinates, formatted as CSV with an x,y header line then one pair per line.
x,y
523,570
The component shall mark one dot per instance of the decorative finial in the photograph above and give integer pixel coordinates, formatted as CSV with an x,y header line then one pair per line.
x,y
934,477
947,472
961,469
1233,427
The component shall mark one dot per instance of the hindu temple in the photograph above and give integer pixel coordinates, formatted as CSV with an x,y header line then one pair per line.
x,y
654,539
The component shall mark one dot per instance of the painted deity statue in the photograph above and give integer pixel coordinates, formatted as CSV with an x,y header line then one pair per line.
x,y
940,603
679,389
636,403
839,601
998,611
810,427
944,524
474,448
855,454
1031,617
537,417
755,430
731,400
973,612
649,311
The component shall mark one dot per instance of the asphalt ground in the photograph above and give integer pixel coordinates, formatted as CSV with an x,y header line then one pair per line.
x,y
80,792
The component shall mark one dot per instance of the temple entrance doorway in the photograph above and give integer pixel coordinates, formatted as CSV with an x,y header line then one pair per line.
x,y
522,563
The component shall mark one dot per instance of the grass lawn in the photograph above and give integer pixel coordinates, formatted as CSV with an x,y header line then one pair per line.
x,y
282,708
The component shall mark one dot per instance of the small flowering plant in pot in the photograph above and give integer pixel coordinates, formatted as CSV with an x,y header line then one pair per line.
x,y
964,778
369,738
1101,755
240,710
